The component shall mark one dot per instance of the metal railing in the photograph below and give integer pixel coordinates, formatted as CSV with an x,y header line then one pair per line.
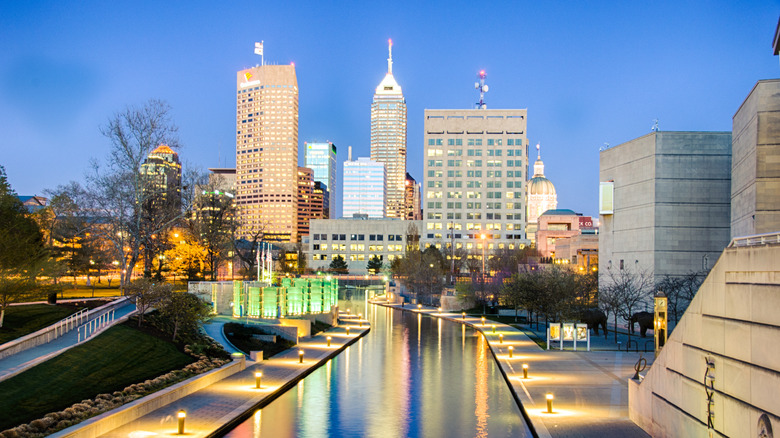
x,y
71,322
95,325
756,239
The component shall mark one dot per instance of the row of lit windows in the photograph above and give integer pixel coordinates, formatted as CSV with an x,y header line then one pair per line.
x,y
475,142
354,257
490,205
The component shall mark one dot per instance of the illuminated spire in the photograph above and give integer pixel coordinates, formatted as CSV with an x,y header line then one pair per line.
x,y
538,152
390,56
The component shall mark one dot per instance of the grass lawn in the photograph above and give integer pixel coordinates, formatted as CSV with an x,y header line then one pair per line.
x,y
23,320
117,358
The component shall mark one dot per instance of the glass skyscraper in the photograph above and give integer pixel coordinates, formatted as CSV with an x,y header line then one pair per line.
x,y
321,158
364,188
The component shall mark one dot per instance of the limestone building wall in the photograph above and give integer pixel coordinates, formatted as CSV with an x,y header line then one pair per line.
x,y
734,323
755,187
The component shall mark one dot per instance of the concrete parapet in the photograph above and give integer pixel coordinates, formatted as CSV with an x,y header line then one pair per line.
x,y
110,420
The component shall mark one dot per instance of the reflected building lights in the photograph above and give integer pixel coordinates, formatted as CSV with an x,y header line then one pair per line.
x,y
481,392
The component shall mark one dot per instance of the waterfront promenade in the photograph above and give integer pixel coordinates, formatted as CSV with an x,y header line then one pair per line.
x,y
222,405
590,389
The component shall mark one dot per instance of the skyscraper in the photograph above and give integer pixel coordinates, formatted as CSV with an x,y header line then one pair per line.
x,y
305,189
475,179
412,199
388,137
364,188
321,158
267,151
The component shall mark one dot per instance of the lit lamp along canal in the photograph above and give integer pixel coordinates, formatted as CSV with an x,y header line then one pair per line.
x,y
411,375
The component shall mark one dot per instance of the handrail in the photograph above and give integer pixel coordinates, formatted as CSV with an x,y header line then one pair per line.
x,y
756,239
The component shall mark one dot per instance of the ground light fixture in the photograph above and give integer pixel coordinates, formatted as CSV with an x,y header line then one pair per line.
x,y
300,356
525,370
464,315
258,379
494,328
511,351
549,398
500,338
439,310
483,321
328,338
181,415
419,307
347,330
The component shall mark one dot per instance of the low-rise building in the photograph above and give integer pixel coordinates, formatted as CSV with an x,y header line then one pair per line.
x,y
357,240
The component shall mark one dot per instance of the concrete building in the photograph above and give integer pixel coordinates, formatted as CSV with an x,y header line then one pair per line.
x,y
305,200
412,199
475,163
541,196
664,203
357,240
321,158
267,151
557,225
224,178
364,188
388,138
755,170
320,201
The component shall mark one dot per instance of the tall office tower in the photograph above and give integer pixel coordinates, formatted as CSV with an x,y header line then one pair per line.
x,y
267,151
388,137
412,199
162,172
305,191
364,188
320,201
541,197
475,163
321,158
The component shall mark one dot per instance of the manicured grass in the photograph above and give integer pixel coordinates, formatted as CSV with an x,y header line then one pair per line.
x,y
22,320
119,357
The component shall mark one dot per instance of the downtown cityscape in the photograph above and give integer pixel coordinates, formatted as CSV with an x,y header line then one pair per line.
x,y
428,220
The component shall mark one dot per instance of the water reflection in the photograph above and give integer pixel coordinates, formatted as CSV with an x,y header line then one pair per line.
x,y
410,376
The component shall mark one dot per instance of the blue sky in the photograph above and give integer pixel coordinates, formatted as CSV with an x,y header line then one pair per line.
x,y
589,73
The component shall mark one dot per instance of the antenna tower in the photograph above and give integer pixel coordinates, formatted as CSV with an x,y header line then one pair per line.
x,y
482,89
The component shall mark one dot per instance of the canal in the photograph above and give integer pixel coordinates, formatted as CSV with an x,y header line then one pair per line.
x,y
409,376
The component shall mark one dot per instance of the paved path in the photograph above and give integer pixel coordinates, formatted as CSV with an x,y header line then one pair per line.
x,y
23,360
590,389
230,401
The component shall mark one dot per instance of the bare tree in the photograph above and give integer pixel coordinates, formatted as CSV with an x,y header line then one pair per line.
x,y
213,223
147,294
627,291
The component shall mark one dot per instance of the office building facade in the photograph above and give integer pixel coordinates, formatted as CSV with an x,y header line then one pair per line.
x,y
321,158
475,179
364,188
267,151
388,138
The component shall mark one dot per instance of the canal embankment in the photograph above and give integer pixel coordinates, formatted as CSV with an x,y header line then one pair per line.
x,y
588,391
220,405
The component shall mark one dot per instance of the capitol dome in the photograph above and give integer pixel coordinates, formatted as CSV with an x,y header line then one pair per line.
x,y
541,194
539,185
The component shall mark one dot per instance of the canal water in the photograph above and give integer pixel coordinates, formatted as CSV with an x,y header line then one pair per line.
x,y
409,376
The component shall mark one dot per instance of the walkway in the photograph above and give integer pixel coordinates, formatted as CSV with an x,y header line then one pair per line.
x,y
225,404
590,389
23,360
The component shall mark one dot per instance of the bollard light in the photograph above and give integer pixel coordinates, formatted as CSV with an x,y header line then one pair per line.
x,y
347,330
348,310
360,323
439,310
328,341
483,321
511,350
525,370
494,328
500,338
181,415
549,402
464,315
300,356
419,307
258,378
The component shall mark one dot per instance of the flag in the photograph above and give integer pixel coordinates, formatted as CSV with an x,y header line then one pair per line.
x,y
258,49
247,75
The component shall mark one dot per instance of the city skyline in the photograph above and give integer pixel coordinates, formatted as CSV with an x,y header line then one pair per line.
x,y
587,75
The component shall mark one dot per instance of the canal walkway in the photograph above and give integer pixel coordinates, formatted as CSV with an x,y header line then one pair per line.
x,y
224,404
589,389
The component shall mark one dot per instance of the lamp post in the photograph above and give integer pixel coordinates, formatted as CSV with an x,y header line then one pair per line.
x,y
525,370
181,415
300,356
328,338
511,351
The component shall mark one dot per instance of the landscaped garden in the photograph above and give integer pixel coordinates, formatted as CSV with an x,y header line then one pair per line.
x,y
23,320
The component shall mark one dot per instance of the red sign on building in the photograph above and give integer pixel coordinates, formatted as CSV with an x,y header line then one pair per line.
x,y
586,222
